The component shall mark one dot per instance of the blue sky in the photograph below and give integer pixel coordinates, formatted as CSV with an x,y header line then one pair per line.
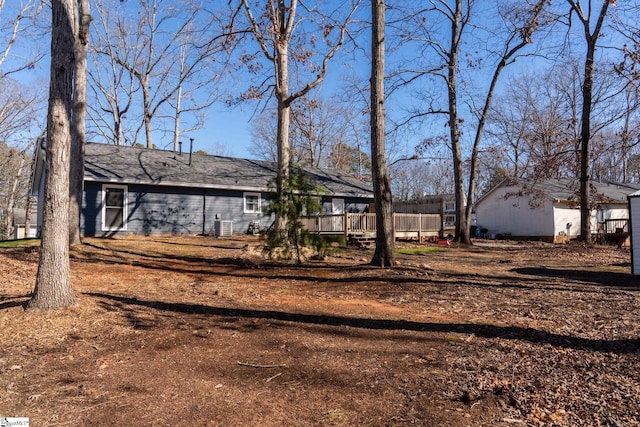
x,y
229,131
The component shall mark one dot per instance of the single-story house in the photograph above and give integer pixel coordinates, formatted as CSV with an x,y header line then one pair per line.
x,y
430,204
147,191
549,209
444,205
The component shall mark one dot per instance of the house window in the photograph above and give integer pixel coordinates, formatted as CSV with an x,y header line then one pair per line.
x,y
114,207
337,206
251,203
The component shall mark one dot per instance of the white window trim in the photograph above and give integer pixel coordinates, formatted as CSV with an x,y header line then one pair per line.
x,y
124,207
244,201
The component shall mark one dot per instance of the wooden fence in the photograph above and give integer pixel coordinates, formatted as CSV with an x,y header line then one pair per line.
x,y
408,226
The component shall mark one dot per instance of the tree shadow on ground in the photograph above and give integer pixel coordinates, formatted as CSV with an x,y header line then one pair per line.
x,y
11,304
245,267
532,335
602,278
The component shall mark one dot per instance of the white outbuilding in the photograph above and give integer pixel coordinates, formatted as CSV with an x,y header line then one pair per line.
x,y
550,209
634,231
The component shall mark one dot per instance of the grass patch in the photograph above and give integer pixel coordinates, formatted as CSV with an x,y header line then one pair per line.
x,y
19,243
424,250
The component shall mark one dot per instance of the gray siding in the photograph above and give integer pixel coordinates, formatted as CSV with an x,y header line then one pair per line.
x,y
158,210
171,210
229,206
91,209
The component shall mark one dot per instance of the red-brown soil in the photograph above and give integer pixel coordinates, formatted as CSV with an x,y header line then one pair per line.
x,y
197,331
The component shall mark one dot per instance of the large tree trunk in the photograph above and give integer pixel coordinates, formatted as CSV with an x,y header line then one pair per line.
x,y
384,255
585,149
284,120
78,134
284,159
53,281
462,233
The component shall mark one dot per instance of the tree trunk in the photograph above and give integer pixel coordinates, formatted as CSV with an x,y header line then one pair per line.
x,y
284,121
176,119
53,281
525,33
27,218
146,101
384,255
284,159
11,200
461,234
117,129
587,99
585,147
78,133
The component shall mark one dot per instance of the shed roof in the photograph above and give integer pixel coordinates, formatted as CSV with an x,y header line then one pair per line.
x,y
132,165
568,189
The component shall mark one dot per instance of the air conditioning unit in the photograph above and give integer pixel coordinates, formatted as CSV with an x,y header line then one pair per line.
x,y
223,228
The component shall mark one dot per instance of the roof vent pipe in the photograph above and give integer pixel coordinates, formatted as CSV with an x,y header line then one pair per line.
x,y
180,147
190,150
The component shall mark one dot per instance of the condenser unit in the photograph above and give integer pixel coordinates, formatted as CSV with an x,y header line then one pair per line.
x,y
223,228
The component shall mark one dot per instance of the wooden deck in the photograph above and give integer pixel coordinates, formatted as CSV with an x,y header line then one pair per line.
x,y
362,226
613,231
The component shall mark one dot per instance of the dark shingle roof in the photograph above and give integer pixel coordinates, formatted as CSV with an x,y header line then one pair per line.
x,y
567,189
112,163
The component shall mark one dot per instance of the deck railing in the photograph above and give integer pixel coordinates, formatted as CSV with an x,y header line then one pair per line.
x,y
417,222
364,224
324,224
360,224
615,226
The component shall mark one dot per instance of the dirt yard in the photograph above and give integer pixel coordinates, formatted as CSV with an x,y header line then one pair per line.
x,y
197,331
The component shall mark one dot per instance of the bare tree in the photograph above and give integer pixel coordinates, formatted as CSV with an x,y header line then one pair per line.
x,y
322,135
167,52
412,178
455,16
630,132
19,107
78,127
112,87
53,287
522,25
15,22
502,46
203,60
317,126
14,181
384,255
274,30
19,104
263,136
592,22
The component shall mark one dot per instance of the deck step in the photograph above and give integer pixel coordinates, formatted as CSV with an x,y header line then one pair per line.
x,y
362,242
